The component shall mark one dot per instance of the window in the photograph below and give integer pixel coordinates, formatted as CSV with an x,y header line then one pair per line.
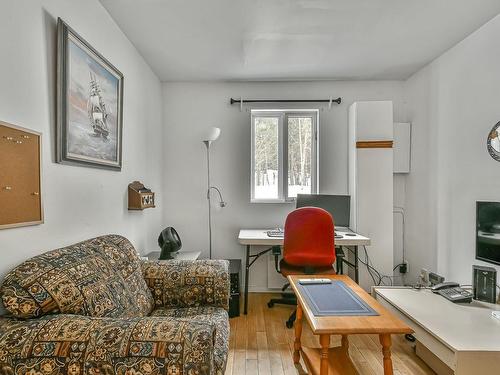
x,y
284,154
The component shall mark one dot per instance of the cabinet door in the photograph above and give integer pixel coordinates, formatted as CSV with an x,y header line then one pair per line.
x,y
20,196
402,146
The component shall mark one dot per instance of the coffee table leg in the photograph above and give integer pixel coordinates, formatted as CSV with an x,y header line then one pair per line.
x,y
385,340
345,344
324,341
298,332
356,265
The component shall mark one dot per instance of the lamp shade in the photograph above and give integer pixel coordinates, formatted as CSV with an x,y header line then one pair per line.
x,y
212,134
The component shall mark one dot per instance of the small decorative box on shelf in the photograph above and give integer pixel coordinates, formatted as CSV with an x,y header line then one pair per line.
x,y
139,196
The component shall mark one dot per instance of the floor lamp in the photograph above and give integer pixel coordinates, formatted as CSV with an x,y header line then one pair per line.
x,y
210,137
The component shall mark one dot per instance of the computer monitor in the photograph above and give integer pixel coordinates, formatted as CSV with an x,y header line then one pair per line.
x,y
488,232
339,206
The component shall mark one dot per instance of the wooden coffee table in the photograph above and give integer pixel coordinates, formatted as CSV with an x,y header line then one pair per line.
x,y
330,361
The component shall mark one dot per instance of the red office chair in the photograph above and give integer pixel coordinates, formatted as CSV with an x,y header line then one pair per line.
x,y
308,248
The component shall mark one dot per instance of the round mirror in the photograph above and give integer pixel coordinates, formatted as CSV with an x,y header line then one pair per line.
x,y
494,142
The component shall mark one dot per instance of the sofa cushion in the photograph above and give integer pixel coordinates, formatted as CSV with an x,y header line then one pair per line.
x,y
100,277
76,345
216,316
188,283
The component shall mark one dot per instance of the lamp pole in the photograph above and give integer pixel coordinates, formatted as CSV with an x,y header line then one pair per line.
x,y
208,143
211,136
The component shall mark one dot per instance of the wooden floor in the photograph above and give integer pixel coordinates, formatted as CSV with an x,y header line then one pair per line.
x,y
261,344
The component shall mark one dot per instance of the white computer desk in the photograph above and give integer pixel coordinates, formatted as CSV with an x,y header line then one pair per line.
x,y
259,237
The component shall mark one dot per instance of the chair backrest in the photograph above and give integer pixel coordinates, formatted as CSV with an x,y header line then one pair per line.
x,y
309,238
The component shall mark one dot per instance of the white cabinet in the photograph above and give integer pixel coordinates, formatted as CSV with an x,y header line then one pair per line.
x,y
371,181
402,147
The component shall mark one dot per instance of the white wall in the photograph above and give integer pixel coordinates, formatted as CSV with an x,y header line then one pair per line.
x,y
420,184
190,108
453,103
79,202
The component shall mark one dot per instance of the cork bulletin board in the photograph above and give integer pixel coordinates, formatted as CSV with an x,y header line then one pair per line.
x,y
20,177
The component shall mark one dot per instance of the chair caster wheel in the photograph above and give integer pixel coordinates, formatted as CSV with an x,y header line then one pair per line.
x,y
289,324
270,304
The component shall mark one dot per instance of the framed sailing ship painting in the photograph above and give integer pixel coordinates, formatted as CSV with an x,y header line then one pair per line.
x,y
90,101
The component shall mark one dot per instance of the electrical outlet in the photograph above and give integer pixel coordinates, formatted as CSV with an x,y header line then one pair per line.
x,y
403,268
424,276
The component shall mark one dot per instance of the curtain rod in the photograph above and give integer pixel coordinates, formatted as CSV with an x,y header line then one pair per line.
x,y
240,101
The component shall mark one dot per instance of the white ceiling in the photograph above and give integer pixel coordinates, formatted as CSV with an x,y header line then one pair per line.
x,y
295,39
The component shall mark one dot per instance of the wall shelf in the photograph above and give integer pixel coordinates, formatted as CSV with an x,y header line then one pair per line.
x,y
140,197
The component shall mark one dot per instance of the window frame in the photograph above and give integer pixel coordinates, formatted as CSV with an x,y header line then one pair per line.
x,y
283,115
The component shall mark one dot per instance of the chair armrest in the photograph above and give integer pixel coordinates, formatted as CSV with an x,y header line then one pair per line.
x,y
188,283
74,344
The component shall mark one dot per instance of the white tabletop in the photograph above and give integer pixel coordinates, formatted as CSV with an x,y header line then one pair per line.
x,y
463,327
260,237
181,255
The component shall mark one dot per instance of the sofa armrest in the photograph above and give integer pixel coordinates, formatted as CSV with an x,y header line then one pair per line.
x,y
74,344
188,283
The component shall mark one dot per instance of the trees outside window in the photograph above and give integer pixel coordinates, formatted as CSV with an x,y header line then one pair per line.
x,y
284,155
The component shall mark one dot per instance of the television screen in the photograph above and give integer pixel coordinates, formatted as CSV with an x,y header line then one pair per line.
x,y
488,232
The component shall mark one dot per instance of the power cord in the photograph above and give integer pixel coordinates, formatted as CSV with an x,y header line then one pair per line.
x,y
401,211
376,276
371,270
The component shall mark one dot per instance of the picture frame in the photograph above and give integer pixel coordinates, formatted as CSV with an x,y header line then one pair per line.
x,y
89,104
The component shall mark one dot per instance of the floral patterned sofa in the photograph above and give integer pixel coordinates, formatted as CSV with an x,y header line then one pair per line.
x,y
94,308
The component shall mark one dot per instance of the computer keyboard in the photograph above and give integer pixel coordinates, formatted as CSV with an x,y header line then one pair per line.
x,y
278,232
